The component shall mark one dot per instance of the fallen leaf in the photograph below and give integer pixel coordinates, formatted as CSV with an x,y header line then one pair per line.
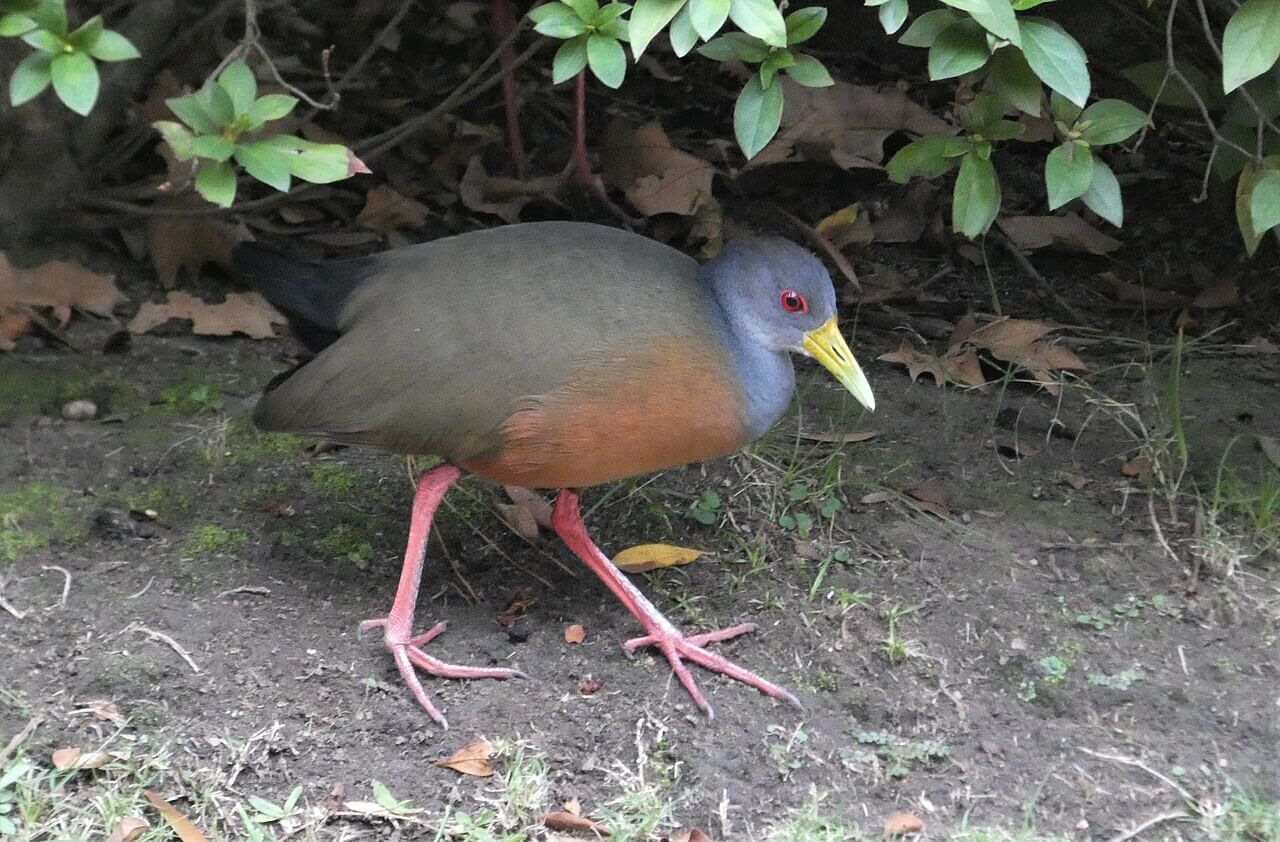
x,y
181,825
931,497
1076,481
519,519
693,835
965,368
839,438
128,830
1068,233
503,197
575,634
900,824
386,209
1270,448
589,685
806,549
883,284
471,759
655,176
911,212
564,820
74,759
537,505
1023,343
645,557
1218,295
104,710
1138,466
1141,296
847,226
241,312
178,243
916,362
519,601
58,286
874,497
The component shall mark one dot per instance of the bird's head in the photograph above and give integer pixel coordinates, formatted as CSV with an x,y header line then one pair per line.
x,y
778,295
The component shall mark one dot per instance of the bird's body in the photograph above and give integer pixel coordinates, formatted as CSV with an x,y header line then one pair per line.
x,y
549,354
543,355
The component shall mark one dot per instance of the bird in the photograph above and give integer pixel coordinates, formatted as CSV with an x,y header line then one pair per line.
x,y
549,355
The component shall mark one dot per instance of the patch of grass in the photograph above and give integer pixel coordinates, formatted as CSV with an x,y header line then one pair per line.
x,y
249,446
810,824
893,645
1246,817
786,749
346,542
208,538
333,479
191,396
157,496
34,516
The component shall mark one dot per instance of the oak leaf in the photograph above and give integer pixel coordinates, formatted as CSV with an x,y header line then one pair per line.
x,y
241,312
655,176
386,209
471,759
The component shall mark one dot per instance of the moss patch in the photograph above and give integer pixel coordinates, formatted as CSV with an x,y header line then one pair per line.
x,y
248,446
332,478
348,543
33,516
207,538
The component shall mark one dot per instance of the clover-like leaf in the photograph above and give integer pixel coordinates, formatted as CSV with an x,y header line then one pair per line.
x,y
569,60
76,81
216,181
29,78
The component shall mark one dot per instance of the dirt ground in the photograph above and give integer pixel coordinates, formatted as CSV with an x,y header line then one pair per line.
x,y
1016,657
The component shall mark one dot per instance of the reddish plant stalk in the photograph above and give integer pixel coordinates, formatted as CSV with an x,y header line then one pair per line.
x,y
580,160
503,21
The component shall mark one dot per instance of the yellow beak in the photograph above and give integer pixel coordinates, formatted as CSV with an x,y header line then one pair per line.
x,y
827,346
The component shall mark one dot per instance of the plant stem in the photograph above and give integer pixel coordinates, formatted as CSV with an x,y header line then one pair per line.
x,y
504,23
580,160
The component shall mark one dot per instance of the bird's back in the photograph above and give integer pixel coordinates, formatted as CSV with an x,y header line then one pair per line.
x,y
530,353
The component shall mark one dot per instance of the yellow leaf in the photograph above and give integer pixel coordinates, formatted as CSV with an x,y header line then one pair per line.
x,y
644,557
471,759
181,825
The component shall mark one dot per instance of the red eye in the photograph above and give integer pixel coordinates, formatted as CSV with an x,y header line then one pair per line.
x,y
793,302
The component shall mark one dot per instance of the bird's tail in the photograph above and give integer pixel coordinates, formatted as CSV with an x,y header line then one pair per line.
x,y
310,295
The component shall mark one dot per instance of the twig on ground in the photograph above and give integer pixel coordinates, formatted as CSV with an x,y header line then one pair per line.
x,y
145,588
8,607
21,737
257,590
1138,764
457,571
171,643
66,584
1029,269
1150,823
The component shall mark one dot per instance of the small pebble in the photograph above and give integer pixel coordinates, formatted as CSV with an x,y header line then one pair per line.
x,y
518,633
80,410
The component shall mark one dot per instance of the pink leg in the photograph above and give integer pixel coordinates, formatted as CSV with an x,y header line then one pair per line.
x,y
567,521
406,648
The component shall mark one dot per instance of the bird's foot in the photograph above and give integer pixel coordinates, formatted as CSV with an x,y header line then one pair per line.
x,y
678,648
409,656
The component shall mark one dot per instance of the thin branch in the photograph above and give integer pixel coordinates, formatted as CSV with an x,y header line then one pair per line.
x,y
1178,815
171,643
1217,51
66,583
1191,89
21,737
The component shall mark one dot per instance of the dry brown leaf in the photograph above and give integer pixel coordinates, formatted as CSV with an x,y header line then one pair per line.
x,y
845,124
589,685
178,243
847,226
105,710
181,825
564,820
874,497
900,824
58,286
471,759
241,312
1270,448
1138,466
575,634
965,368
1023,343
1068,233
128,830
645,557
1218,295
655,176
1141,296
534,502
519,520
503,197
74,759
931,497
1076,481
693,835
912,211
386,209
839,438
916,362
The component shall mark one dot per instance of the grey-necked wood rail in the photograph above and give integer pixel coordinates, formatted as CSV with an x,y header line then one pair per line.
x,y
550,355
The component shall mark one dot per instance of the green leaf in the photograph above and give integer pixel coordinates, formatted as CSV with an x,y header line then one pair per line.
x,y
1110,121
803,24
930,157
976,199
238,81
926,28
112,46
266,163
648,17
190,110
13,25
86,35
212,146
893,15
569,60
1249,178
1264,204
270,107
610,13
586,10
1068,172
1250,43
51,15
219,105
959,50
1103,196
1064,110
1003,130
1057,58
1023,5
76,81
984,111
559,21
607,59
1012,79
45,41
809,72
761,19
216,181
1153,78
995,16
757,115
29,79
776,61
708,16
682,34
318,163
735,46
179,138
618,29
